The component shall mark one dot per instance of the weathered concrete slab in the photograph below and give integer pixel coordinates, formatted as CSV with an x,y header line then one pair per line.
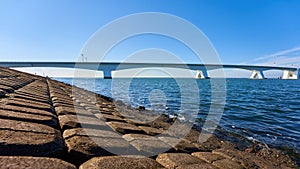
x,y
2,93
125,128
28,117
227,163
108,118
151,130
246,159
23,162
23,138
147,145
29,102
197,166
180,145
82,148
6,88
173,160
132,162
75,121
29,105
208,157
29,94
26,97
91,133
27,110
71,110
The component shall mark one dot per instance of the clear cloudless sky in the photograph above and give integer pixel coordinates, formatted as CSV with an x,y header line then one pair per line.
x,y
56,30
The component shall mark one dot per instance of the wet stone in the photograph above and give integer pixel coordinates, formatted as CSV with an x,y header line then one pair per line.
x,y
227,163
125,128
132,162
23,162
173,160
23,138
208,156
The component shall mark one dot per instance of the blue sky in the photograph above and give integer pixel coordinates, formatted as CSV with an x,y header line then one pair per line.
x,y
242,31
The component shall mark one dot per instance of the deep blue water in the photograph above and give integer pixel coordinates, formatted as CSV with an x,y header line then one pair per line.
x,y
260,111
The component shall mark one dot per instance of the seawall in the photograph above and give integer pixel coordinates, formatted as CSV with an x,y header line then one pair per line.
x,y
48,124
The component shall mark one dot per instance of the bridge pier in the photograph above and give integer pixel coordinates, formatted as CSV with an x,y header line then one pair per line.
x,y
202,74
287,74
257,74
107,74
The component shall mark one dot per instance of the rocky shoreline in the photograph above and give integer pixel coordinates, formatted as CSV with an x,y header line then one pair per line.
x,y
49,124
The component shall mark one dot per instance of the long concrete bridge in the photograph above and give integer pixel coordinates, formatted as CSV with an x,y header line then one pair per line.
x,y
108,67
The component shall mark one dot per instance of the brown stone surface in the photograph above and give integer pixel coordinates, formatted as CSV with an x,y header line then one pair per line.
x,y
180,145
117,162
108,117
63,110
82,148
151,131
125,128
147,145
74,121
2,93
27,110
173,160
227,163
29,117
246,159
197,166
208,156
23,138
35,99
29,94
23,162
6,88
90,132
29,105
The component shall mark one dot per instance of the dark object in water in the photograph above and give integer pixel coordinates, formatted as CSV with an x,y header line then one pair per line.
x,y
140,108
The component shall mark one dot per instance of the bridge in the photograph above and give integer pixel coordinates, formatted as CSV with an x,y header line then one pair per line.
x,y
108,67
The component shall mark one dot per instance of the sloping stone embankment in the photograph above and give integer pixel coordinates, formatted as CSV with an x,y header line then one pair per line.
x,y
49,124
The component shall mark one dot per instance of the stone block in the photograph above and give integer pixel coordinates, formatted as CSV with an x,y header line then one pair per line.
x,y
121,162
125,128
23,162
173,160
227,164
208,156
29,139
